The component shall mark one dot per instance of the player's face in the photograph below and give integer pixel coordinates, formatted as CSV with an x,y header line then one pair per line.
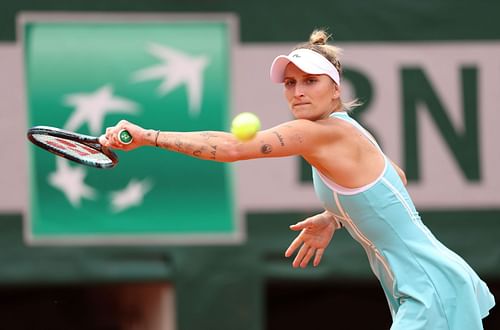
x,y
310,96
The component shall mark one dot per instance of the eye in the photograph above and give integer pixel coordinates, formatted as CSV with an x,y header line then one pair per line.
x,y
289,83
311,80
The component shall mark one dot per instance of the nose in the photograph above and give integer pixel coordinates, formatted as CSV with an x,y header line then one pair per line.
x,y
298,91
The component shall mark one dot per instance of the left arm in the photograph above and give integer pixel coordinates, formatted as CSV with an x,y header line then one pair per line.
x,y
316,233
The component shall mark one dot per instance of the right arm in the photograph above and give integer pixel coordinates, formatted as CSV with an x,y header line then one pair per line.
x,y
291,138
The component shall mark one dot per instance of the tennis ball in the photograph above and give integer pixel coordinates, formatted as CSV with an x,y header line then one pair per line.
x,y
245,126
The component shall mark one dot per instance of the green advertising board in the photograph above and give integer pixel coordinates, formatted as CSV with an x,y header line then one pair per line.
x,y
167,73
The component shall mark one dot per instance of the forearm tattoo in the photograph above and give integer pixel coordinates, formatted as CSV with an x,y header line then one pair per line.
x,y
213,152
178,144
188,146
198,153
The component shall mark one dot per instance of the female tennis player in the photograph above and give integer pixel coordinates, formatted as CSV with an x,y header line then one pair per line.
x,y
427,285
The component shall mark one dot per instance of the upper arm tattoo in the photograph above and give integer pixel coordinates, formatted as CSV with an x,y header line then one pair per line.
x,y
297,137
266,148
280,138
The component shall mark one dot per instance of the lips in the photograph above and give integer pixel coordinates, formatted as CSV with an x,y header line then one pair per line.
x,y
300,103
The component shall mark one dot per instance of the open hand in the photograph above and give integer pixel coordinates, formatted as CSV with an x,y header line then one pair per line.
x,y
316,233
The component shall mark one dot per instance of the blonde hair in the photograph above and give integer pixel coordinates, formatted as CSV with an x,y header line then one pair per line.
x,y
318,43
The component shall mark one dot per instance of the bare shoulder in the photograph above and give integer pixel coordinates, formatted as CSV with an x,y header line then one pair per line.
x,y
323,125
330,127
316,133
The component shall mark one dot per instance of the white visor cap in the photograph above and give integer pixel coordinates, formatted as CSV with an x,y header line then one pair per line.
x,y
306,60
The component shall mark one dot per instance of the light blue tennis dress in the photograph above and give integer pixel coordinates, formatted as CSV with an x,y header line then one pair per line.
x,y
427,285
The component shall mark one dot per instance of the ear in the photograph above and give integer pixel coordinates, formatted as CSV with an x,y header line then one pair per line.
x,y
336,91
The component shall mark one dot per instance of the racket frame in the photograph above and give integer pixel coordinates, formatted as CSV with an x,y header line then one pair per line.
x,y
87,140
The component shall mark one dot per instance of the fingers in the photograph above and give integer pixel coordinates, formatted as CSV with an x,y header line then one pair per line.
x,y
304,256
317,258
110,138
300,225
313,231
307,257
103,140
295,244
298,259
107,138
296,226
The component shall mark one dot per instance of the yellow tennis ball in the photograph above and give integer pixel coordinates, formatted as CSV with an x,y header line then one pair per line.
x,y
245,126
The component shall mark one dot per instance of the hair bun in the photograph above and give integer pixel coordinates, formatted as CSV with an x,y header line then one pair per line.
x,y
319,37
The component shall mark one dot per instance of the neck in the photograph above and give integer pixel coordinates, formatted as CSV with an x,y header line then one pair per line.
x,y
337,107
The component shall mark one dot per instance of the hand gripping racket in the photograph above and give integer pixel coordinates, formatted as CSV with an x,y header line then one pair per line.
x,y
80,148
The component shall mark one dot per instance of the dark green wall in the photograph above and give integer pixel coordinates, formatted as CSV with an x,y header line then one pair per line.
x,y
223,287
282,20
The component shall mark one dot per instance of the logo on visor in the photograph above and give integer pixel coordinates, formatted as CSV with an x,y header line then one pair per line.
x,y
296,55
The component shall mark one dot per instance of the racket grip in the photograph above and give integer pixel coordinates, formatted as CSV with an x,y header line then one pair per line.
x,y
125,137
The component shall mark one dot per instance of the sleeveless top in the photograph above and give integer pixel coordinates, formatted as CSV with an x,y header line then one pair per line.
x,y
404,255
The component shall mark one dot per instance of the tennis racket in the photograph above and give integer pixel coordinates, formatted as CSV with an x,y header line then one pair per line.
x,y
80,148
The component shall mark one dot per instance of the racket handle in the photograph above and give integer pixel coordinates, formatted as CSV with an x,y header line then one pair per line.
x,y
125,137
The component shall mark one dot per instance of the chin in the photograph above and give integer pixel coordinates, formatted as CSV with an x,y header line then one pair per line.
x,y
302,115
304,112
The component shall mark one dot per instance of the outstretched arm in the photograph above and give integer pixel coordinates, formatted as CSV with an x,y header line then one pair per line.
x,y
291,138
316,233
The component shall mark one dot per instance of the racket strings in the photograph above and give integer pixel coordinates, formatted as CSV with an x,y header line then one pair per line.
x,y
73,148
